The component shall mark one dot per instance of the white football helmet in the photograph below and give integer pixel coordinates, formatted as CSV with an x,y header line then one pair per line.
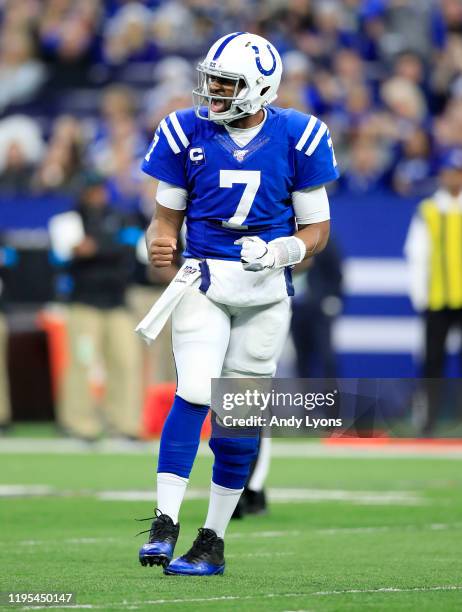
x,y
249,60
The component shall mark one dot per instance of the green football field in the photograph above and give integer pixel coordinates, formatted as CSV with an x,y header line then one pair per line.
x,y
347,530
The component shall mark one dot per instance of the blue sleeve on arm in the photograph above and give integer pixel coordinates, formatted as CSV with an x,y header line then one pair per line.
x,y
165,158
315,162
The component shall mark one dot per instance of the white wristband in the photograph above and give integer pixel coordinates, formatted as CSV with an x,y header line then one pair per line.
x,y
287,251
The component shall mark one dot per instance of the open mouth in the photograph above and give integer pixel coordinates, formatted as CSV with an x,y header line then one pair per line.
x,y
218,105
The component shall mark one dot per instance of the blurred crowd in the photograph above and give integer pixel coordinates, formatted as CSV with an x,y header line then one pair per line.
x,y
83,83
83,86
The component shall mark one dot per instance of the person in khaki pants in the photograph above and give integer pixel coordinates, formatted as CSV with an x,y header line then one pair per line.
x,y
99,322
158,363
101,335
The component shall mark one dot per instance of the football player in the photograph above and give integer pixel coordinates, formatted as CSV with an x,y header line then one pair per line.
x,y
248,178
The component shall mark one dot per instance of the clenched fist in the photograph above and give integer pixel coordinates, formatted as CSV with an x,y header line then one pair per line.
x,y
162,251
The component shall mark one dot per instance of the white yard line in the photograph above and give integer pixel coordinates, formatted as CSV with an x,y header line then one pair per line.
x,y
264,534
68,541
271,555
87,541
259,535
26,490
69,446
223,598
275,495
294,495
390,590
143,495
358,497
286,450
280,449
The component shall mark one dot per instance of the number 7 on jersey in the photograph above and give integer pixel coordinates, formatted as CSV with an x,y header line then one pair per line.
x,y
251,179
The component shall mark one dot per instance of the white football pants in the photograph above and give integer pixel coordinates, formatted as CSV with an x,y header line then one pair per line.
x,y
212,340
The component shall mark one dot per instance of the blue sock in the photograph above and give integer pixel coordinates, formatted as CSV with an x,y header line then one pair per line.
x,y
233,458
180,437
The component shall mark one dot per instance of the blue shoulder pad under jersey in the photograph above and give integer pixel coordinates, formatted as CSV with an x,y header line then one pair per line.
x,y
165,158
314,156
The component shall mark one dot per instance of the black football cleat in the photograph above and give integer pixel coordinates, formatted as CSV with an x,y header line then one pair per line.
x,y
250,502
162,539
254,502
204,558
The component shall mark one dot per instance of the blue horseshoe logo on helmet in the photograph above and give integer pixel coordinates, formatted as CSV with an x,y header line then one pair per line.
x,y
258,62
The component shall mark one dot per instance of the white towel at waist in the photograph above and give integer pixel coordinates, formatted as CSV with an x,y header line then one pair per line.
x,y
152,324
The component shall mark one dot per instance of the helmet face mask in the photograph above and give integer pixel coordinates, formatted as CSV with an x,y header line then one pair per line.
x,y
204,100
252,79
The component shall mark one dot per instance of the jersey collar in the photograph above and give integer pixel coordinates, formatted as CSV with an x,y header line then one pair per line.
x,y
240,154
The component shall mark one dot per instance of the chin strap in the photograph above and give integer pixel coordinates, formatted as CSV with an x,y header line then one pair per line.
x,y
231,119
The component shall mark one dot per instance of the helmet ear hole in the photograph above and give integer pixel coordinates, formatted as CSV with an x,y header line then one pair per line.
x,y
264,90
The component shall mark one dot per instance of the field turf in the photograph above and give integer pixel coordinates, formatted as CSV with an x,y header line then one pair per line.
x,y
343,533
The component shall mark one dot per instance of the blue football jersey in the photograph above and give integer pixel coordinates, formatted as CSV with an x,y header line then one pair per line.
x,y
236,191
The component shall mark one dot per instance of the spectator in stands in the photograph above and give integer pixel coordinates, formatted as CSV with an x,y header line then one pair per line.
x,y
100,324
413,174
293,90
349,69
174,83
67,31
367,167
434,252
21,73
20,15
406,102
180,28
448,127
408,65
61,168
418,38
327,34
21,148
117,128
16,174
372,28
353,120
119,146
127,36
323,93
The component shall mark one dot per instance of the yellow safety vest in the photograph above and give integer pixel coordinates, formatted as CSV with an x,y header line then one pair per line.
x,y
445,273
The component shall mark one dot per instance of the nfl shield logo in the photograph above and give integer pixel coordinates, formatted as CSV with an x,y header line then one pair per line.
x,y
239,154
